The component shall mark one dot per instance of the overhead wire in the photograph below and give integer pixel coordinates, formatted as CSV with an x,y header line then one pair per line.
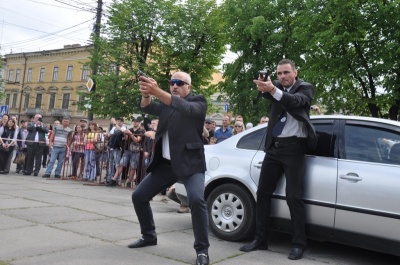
x,y
47,4
48,36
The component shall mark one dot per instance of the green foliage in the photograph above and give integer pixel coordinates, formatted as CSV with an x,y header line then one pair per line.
x,y
262,34
159,37
347,48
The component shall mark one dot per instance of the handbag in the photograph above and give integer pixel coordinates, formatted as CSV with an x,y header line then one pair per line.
x,y
19,159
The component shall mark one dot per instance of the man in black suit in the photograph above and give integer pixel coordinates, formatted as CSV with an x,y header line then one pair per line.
x,y
35,142
178,156
289,134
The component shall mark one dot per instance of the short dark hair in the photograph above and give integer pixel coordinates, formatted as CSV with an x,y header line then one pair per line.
x,y
287,61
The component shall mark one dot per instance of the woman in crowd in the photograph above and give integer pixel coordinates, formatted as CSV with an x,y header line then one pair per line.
x,y
8,134
77,151
99,152
91,137
238,128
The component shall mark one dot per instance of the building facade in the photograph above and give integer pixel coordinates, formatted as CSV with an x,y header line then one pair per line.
x,y
50,83
47,82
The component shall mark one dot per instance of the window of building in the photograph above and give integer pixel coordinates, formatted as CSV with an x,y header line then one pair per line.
x,y
52,100
14,100
26,103
65,101
10,75
41,74
29,76
55,73
38,103
18,75
111,69
84,72
69,72
8,99
80,100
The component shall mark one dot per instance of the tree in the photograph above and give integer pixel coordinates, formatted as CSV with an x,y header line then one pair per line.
x,y
347,48
352,55
159,37
261,35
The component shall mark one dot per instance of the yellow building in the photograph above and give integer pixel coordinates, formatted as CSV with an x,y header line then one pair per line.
x,y
47,82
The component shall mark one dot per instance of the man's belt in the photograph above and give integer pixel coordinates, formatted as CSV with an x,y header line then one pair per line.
x,y
280,142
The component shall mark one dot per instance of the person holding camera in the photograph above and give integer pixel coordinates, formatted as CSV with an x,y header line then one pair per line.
x,y
316,109
178,156
35,142
289,133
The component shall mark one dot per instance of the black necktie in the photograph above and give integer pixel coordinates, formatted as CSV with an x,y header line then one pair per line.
x,y
278,128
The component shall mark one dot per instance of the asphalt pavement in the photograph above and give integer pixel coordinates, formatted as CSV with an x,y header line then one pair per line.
x,y
57,221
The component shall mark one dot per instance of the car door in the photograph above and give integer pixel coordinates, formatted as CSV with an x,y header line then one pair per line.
x,y
320,179
368,182
319,183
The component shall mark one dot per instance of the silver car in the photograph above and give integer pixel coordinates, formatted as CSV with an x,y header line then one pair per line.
x,y
351,186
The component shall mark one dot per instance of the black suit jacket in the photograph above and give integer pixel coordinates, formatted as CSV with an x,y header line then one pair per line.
x,y
297,103
32,129
184,121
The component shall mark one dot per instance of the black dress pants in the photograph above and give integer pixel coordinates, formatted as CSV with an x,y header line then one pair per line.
x,y
4,157
161,178
289,159
34,156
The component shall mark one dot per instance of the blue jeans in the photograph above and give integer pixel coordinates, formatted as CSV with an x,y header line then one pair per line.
x,y
115,158
58,153
90,165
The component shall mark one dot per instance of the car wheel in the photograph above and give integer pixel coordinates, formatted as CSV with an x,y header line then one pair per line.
x,y
231,211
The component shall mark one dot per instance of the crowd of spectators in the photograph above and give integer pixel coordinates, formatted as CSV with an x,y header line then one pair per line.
x,y
87,149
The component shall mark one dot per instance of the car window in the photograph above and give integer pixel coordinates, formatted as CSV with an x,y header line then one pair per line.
x,y
253,141
326,140
371,144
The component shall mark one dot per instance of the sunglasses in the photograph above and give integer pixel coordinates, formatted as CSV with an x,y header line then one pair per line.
x,y
238,126
178,82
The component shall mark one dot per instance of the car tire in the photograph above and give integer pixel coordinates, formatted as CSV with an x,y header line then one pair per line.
x,y
231,212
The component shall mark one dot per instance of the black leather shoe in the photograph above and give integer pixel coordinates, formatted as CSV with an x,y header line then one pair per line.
x,y
142,243
296,253
202,259
112,183
35,174
255,245
27,174
57,176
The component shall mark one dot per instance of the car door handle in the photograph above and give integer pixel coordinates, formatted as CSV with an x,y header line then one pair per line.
x,y
351,176
258,165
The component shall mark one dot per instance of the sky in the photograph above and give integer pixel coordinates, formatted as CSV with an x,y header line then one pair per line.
x,y
36,25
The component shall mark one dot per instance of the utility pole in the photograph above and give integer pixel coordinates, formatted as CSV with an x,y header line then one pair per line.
x,y
96,30
21,88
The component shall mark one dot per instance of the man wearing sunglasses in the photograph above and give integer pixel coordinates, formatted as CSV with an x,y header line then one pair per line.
x,y
178,156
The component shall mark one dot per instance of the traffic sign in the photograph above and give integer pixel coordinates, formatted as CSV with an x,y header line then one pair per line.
x,y
3,110
89,84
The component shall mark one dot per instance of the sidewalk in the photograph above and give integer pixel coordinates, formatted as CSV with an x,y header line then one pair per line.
x,y
48,221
